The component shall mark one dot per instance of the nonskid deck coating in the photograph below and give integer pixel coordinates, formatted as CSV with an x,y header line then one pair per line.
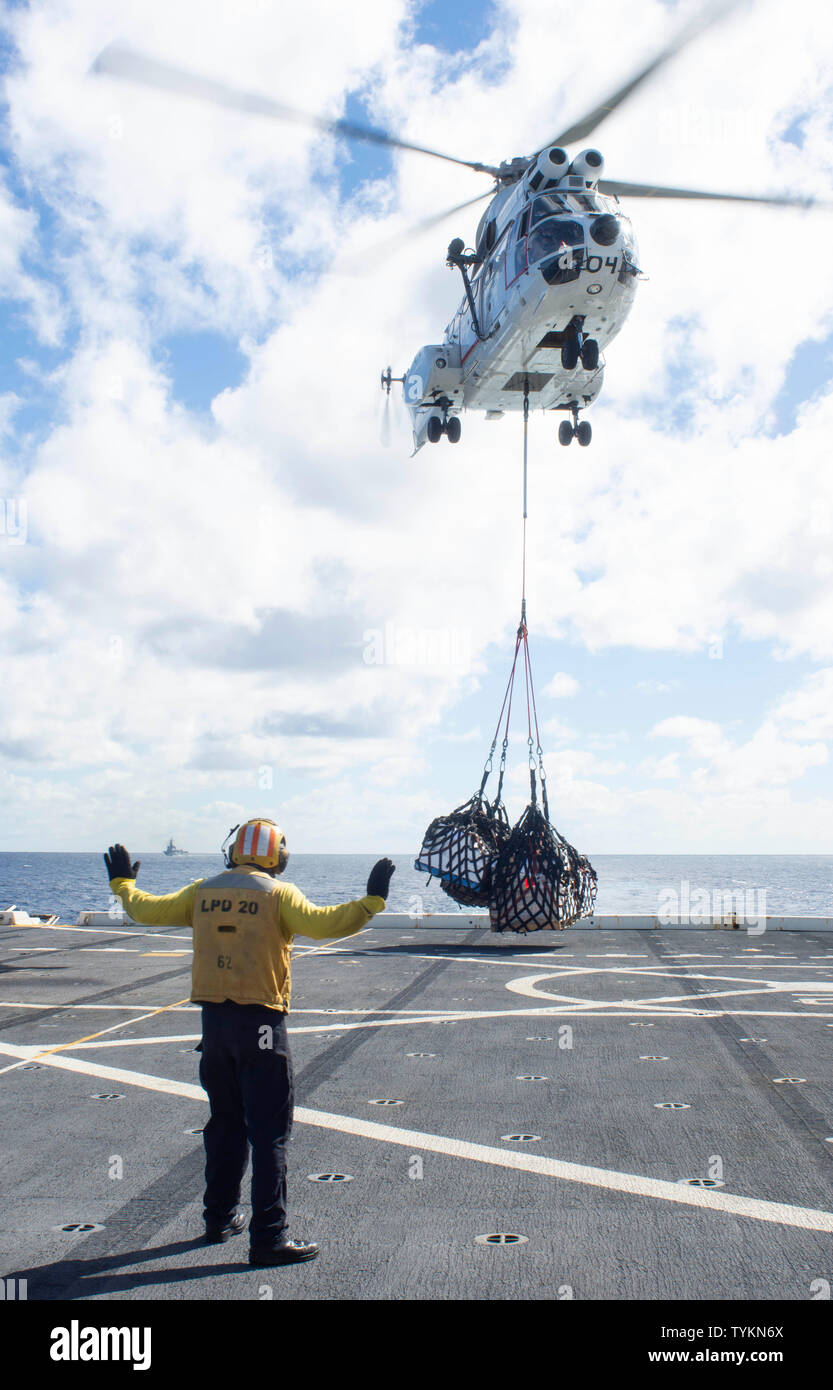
x,y
578,1042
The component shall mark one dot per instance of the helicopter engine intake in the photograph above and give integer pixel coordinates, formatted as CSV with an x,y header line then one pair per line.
x,y
550,166
589,166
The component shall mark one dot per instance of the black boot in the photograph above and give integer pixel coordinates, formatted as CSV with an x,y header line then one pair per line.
x,y
282,1251
218,1235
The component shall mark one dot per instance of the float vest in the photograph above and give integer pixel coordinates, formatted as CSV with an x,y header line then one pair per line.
x,y
240,951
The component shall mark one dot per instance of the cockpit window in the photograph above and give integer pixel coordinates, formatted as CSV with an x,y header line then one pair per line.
x,y
545,205
554,235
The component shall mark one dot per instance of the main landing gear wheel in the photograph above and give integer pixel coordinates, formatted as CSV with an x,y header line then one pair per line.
x,y
589,356
453,429
434,429
569,353
565,432
584,433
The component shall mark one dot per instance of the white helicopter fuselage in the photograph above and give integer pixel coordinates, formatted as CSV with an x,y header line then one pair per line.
x,y
550,264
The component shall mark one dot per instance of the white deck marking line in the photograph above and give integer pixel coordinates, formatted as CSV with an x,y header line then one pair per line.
x,y
341,1028
702,994
633,1184
634,1010
672,972
106,931
194,1008
56,1004
725,993
331,947
526,985
564,1006
41,1053
580,1012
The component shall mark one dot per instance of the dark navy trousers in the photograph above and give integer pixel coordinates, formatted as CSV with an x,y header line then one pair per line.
x,y
246,1069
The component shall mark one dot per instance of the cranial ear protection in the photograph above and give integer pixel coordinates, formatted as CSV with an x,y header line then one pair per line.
x,y
259,843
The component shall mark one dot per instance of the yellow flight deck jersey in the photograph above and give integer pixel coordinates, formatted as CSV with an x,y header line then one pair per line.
x,y
244,923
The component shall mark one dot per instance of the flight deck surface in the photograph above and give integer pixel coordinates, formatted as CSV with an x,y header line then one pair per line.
x,y
556,1093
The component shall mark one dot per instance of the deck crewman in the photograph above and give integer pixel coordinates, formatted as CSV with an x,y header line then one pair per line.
x,y
244,923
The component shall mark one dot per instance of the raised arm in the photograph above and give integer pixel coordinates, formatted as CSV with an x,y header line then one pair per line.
x,y
302,918
299,917
167,910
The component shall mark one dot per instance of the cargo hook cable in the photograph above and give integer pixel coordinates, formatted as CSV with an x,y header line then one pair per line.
x,y
522,637
523,633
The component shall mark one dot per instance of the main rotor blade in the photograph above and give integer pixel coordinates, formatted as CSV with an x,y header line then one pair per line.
x,y
356,263
648,190
118,60
428,222
584,127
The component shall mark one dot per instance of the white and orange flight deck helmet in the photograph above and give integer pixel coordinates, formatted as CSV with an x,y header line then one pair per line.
x,y
259,843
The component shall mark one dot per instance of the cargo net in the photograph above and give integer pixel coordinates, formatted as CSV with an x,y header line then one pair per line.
x,y
461,848
540,883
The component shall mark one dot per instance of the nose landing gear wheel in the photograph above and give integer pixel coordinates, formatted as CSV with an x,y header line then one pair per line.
x,y
453,429
565,432
589,355
584,433
434,429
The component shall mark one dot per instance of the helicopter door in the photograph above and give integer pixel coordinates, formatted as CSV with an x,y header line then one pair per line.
x,y
516,255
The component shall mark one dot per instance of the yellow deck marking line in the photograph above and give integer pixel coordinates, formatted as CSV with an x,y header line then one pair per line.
x,y
61,1047
139,1042
632,1184
168,953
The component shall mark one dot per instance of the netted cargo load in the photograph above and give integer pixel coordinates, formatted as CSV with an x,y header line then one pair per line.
x,y
461,848
540,882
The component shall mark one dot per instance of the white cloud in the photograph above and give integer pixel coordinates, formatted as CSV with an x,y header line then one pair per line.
x,y
808,712
661,768
556,731
239,561
765,760
40,300
562,685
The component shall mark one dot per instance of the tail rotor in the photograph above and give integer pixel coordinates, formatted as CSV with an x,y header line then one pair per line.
x,y
385,430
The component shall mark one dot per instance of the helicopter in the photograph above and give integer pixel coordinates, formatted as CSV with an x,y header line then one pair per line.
x,y
553,272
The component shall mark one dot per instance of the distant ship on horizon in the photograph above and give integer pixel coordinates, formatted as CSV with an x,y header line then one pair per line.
x,y
171,848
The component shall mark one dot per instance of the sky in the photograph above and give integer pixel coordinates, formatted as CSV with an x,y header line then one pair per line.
x,y
221,594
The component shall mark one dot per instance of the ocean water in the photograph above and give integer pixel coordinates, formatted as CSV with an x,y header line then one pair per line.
x,y
791,884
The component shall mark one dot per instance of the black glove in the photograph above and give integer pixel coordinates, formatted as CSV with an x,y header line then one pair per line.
x,y
380,876
118,863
